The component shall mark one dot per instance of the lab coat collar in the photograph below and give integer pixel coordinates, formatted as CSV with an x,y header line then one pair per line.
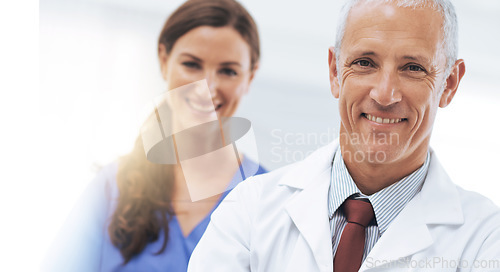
x,y
300,174
437,203
440,197
308,209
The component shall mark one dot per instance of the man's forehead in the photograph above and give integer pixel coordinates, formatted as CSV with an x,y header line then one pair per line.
x,y
390,8
387,21
432,4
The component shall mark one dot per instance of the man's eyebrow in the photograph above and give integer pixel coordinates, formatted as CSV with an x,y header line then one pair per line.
x,y
368,53
416,58
361,53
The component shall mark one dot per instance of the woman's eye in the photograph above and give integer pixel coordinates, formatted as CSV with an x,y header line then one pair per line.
x,y
191,64
228,72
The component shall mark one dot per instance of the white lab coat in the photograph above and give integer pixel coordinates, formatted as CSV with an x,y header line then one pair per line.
x,y
279,222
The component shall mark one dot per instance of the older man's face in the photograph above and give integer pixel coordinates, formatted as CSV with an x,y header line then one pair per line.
x,y
390,81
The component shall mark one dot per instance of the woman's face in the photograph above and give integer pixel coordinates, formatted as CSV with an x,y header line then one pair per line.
x,y
218,55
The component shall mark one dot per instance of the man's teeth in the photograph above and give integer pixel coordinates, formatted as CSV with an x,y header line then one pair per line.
x,y
381,120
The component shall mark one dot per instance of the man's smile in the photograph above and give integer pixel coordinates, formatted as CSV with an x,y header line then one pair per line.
x,y
382,120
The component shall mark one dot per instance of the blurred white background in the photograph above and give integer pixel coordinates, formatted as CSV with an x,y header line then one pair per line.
x,y
98,70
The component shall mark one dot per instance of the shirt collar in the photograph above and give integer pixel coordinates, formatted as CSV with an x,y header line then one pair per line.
x,y
387,203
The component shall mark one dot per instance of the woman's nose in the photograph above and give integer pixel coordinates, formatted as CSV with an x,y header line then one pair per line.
x,y
212,83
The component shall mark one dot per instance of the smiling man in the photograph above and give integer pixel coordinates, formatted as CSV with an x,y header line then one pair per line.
x,y
391,71
378,197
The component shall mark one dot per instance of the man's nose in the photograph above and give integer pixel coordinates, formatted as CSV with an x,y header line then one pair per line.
x,y
387,89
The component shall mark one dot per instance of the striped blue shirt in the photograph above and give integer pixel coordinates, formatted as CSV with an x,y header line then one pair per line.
x,y
387,203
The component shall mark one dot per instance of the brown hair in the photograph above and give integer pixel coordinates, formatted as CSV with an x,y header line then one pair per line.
x,y
145,189
216,13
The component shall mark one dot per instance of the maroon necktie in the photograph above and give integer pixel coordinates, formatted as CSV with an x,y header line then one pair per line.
x,y
352,241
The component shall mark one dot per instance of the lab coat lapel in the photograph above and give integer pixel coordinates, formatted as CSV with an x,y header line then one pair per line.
x,y
309,210
408,233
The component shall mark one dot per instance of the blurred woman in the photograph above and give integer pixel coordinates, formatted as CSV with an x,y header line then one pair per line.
x,y
137,215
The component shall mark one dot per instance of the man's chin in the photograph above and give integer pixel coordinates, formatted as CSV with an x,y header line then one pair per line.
x,y
371,154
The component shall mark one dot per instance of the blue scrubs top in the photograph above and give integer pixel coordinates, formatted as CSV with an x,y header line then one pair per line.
x,y
84,243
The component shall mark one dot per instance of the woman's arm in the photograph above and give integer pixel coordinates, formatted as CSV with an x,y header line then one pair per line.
x,y
78,245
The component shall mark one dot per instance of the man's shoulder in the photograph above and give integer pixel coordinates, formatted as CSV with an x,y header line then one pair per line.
x,y
284,182
481,223
474,207
267,182
472,204
478,207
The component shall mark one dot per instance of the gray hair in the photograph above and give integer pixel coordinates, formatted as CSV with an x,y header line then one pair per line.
x,y
449,28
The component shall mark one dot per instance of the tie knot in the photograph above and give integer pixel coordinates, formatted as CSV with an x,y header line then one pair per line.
x,y
358,211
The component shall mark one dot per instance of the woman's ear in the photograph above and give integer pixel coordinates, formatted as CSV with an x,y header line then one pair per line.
x,y
332,66
252,75
254,70
163,57
452,82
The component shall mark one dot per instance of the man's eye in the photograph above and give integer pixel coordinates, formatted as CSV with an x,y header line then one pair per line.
x,y
191,64
363,63
228,71
415,68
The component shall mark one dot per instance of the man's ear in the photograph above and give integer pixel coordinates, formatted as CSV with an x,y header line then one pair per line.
x,y
332,65
452,82
163,57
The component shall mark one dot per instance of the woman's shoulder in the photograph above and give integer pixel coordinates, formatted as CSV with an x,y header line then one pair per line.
x,y
107,173
81,237
105,180
261,170
252,167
